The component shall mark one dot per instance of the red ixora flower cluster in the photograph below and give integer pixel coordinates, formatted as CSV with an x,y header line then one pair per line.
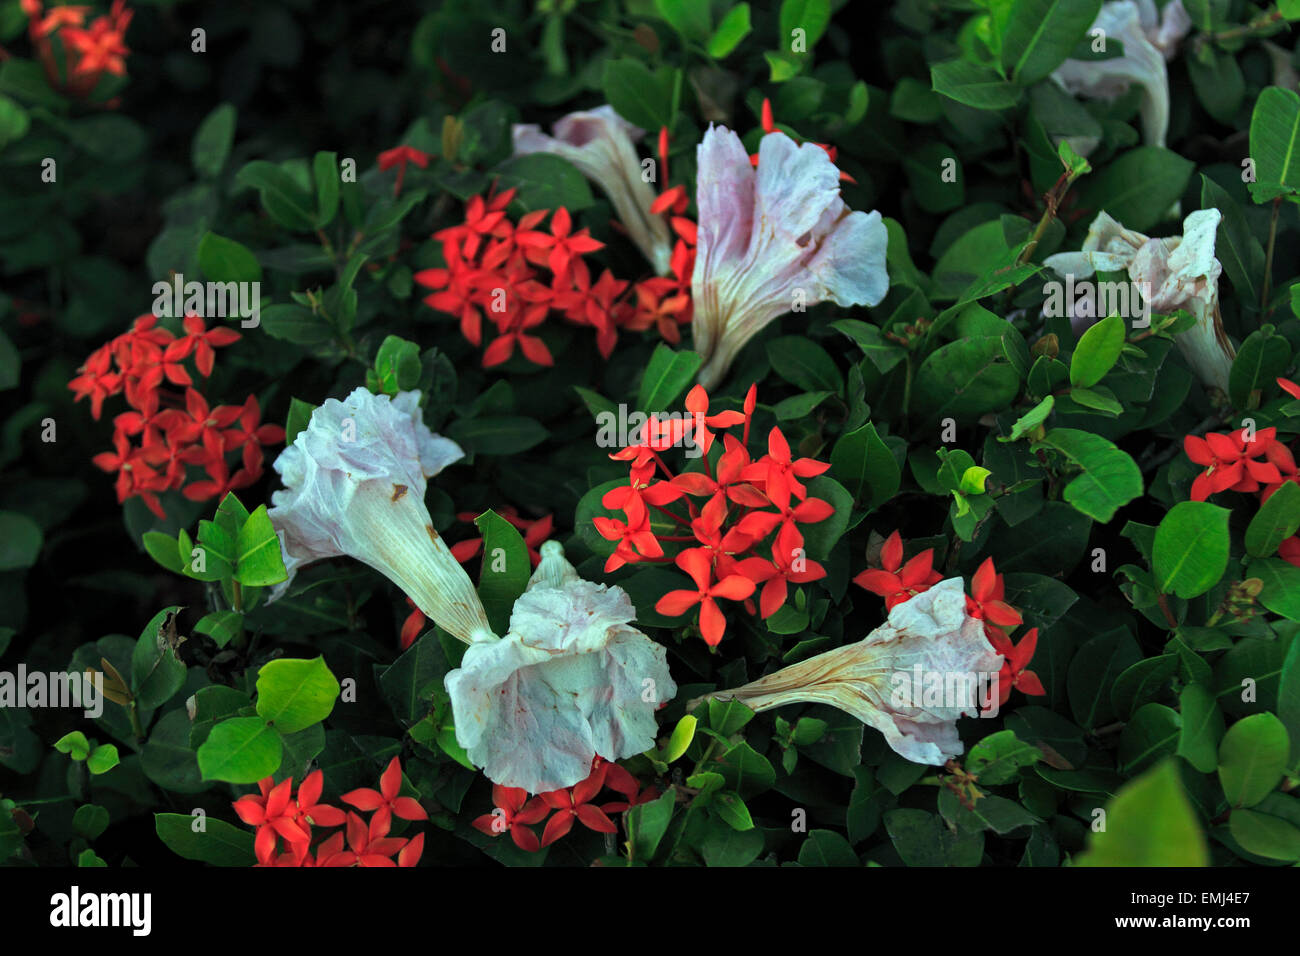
x,y
516,814
898,582
517,274
1248,462
281,817
98,48
745,533
170,429
534,532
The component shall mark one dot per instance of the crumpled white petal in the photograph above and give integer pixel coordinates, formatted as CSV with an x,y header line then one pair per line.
x,y
1178,272
570,680
763,235
355,480
1149,40
599,143
872,679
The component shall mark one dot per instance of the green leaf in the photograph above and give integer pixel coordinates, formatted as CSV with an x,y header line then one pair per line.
x,y
1288,702
810,16
639,96
922,839
1190,553
1139,186
666,378
212,141
294,323
681,738
162,548
648,822
1263,356
1108,479
282,197
1140,682
325,172
225,260
156,672
217,842
1151,734
1236,245
1030,420
298,420
221,626
726,717
102,759
257,547
826,848
1277,519
733,28
975,85
723,846
1150,822
506,568
1097,352
997,758
804,363
14,121
293,694
732,810
240,750
1252,758
864,465
397,365
497,434
1198,739
687,17
1281,593
746,770
1274,132
74,744
965,379
1040,34
1265,835
89,821
20,541
544,181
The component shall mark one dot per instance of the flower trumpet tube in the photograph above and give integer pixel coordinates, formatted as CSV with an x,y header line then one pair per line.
x,y
773,240
1148,39
354,484
599,143
1180,272
931,636
570,680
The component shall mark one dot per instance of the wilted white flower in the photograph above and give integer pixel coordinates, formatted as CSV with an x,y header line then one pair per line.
x,y
354,482
1179,272
599,143
570,680
773,240
1149,39
931,634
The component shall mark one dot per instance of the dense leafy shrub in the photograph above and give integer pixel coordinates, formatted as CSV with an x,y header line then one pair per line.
x,y
558,433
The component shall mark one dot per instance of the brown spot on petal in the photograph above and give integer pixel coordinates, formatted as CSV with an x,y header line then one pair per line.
x,y
433,535
398,491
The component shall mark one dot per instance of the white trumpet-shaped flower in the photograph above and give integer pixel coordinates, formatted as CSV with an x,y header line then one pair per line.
x,y
1180,272
354,482
887,680
570,680
774,240
1149,39
599,143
